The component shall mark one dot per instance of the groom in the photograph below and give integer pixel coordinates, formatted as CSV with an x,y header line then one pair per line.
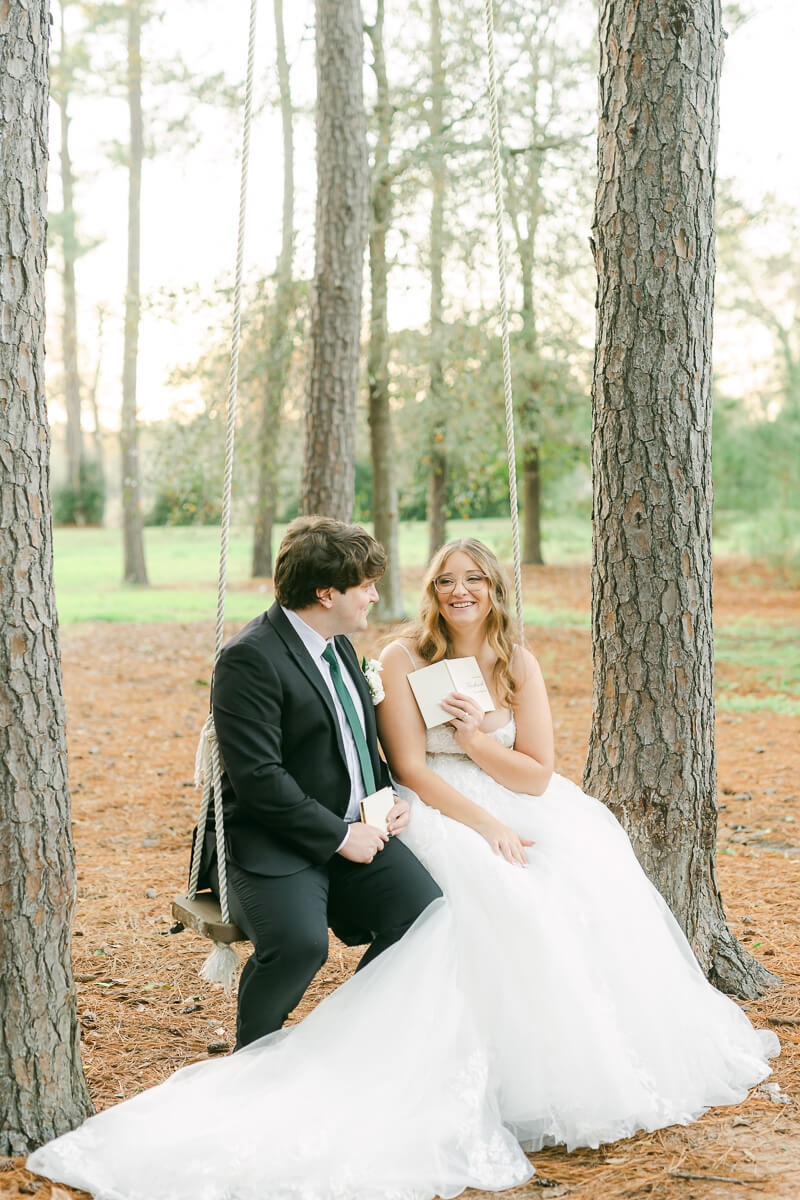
x,y
297,736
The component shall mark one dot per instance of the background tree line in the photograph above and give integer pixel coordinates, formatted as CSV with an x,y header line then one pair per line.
x,y
429,383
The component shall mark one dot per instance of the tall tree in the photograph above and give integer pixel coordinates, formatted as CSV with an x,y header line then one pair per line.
x,y
437,450
385,509
524,206
94,391
546,142
651,752
63,85
134,569
41,1078
279,316
341,233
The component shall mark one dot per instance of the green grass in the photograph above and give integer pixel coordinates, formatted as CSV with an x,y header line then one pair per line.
x,y
767,534
775,651
182,565
788,706
183,562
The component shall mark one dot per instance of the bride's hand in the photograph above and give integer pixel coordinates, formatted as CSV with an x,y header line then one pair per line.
x,y
467,717
505,841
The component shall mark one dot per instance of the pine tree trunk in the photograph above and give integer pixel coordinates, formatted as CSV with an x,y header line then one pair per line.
x,y
384,487
529,408
651,753
42,1088
97,437
69,326
531,490
266,492
437,451
341,234
134,564
437,497
279,346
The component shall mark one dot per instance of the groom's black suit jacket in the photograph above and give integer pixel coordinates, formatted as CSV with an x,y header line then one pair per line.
x,y
285,783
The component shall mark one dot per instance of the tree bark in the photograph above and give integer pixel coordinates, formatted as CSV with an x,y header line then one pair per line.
x,y
341,233
278,342
69,325
384,486
42,1088
651,752
437,451
134,570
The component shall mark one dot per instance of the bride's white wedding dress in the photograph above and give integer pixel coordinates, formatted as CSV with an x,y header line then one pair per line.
x,y
554,1003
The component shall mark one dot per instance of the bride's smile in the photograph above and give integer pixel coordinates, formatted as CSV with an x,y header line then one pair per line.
x,y
462,592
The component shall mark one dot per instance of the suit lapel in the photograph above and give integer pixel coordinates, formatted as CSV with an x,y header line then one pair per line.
x,y
294,645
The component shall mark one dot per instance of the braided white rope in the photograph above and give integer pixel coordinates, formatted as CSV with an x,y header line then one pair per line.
x,y
202,778
501,269
208,751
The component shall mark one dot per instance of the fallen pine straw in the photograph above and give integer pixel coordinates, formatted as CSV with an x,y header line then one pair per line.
x,y
137,697
715,1178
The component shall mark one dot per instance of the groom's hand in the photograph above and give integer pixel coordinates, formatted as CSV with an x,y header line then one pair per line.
x,y
363,843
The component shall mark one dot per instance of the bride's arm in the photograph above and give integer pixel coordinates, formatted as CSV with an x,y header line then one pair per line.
x,y
529,765
402,734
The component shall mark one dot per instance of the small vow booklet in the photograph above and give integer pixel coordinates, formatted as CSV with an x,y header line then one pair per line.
x,y
431,684
375,808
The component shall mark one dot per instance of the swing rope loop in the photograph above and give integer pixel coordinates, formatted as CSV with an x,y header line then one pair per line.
x,y
208,767
494,122
208,752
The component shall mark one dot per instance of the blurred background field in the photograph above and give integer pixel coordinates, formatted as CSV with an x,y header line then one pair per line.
x,y
183,562
757,605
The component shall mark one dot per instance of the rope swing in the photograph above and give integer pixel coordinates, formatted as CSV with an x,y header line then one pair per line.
x,y
499,214
202,913
204,916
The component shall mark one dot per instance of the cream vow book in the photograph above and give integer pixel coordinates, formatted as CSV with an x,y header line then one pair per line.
x,y
375,808
431,684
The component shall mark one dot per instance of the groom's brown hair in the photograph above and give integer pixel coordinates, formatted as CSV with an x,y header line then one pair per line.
x,y
319,552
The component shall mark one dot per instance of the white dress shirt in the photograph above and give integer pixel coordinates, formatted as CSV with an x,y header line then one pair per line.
x,y
316,644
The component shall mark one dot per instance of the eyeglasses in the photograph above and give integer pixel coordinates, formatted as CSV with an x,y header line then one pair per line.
x,y
473,581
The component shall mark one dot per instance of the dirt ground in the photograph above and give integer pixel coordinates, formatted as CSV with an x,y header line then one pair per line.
x,y
137,697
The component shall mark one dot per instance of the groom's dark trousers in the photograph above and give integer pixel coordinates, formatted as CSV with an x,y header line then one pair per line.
x,y
286,789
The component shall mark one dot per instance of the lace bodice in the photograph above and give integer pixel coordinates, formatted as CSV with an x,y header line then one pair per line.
x,y
441,740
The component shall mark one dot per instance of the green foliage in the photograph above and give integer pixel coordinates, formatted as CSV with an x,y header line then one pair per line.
x,y
87,505
189,456
757,473
362,504
186,472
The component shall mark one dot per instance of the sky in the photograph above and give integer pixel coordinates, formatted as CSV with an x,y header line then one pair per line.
x,y
190,195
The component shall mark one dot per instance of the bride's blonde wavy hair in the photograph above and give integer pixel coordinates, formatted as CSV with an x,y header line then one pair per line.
x,y
430,634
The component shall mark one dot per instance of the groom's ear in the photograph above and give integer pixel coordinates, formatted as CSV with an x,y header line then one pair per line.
x,y
324,597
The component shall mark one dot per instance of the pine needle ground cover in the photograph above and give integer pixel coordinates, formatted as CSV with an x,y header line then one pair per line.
x,y
136,699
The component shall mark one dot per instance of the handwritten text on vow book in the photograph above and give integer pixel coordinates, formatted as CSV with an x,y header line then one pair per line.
x,y
431,684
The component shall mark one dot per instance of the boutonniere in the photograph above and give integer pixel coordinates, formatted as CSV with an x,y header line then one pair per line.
x,y
372,673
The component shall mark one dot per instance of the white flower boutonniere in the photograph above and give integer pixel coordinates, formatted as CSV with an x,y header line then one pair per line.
x,y
372,673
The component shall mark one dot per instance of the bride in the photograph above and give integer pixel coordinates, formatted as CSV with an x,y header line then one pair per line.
x,y
549,998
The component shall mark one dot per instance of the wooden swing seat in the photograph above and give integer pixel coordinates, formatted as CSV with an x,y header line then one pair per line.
x,y
203,916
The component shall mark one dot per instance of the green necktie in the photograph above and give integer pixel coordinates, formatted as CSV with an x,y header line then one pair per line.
x,y
346,699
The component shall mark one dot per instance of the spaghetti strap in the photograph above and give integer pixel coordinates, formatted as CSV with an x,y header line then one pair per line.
x,y
408,652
